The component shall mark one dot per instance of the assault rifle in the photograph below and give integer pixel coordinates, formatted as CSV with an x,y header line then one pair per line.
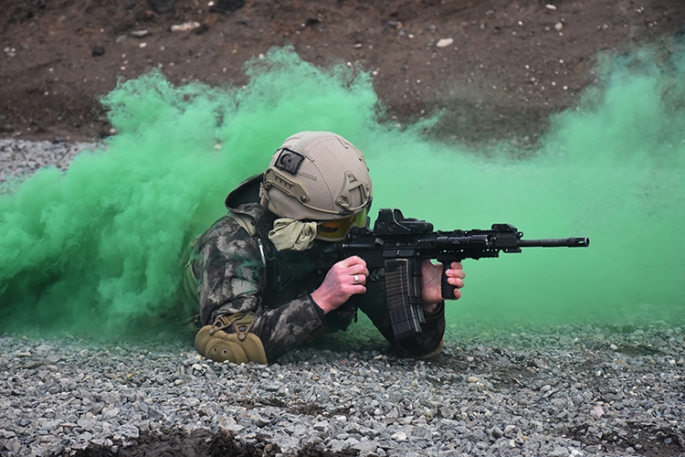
x,y
398,245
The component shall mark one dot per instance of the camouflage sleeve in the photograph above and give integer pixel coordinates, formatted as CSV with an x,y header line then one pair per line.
x,y
288,326
231,280
425,344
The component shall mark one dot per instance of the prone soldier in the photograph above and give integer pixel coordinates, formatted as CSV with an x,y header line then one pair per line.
x,y
254,276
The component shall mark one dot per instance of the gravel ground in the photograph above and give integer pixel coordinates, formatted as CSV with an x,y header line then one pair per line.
x,y
531,391
20,158
564,391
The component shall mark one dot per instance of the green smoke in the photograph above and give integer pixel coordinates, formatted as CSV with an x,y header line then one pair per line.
x,y
611,169
97,249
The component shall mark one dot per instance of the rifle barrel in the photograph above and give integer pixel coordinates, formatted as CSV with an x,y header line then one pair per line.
x,y
556,242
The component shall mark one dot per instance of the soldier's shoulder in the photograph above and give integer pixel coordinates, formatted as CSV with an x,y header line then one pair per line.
x,y
240,222
227,226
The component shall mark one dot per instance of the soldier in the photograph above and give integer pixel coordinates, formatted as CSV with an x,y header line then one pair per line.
x,y
260,294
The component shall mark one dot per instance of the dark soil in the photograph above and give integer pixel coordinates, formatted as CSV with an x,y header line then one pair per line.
x,y
511,64
200,443
507,69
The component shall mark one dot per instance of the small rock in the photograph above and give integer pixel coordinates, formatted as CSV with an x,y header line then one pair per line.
x,y
399,436
496,432
97,51
154,414
162,6
444,42
139,33
366,446
320,426
13,445
558,26
338,445
185,27
559,452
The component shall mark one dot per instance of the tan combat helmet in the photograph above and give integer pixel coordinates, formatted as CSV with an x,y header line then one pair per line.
x,y
318,176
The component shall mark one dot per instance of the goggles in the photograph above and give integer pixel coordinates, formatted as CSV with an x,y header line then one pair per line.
x,y
336,230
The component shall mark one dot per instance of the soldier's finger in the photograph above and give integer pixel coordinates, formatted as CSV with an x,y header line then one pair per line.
x,y
353,260
456,282
358,269
358,279
454,273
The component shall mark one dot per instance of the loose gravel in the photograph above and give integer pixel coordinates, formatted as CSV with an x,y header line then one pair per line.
x,y
20,158
563,391
557,391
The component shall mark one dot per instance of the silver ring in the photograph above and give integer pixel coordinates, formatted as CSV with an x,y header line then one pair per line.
x,y
356,279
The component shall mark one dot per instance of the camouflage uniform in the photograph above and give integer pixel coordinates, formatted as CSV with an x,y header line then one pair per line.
x,y
232,278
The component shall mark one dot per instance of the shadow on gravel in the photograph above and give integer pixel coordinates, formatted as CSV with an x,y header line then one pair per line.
x,y
646,440
200,443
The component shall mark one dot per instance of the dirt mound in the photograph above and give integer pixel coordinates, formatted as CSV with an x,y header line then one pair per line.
x,y
200,443
499,66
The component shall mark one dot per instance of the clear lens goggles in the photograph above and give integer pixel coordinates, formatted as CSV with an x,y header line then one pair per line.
x,y
336,230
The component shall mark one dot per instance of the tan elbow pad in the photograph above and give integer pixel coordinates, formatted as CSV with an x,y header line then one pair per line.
x,y
239,347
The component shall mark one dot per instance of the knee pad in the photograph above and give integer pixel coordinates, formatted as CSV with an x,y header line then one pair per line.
x,y
239,347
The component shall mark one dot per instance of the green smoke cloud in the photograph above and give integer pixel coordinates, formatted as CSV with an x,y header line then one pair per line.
x,y
611,169
97,249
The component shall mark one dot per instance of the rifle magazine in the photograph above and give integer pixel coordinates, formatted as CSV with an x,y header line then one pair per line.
x,y
403,298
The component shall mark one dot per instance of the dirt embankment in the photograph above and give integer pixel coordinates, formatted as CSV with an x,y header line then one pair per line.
x,y
500,66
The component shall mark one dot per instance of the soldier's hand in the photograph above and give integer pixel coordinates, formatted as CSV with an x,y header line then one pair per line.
x,y
431,280
344,279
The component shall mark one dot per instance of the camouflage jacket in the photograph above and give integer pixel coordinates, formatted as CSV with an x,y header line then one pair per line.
x,y
232,277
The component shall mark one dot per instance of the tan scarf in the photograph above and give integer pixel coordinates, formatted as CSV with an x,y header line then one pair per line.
x,y
291,234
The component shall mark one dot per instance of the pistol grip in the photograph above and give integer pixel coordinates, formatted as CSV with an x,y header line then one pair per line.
x,y
446,289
